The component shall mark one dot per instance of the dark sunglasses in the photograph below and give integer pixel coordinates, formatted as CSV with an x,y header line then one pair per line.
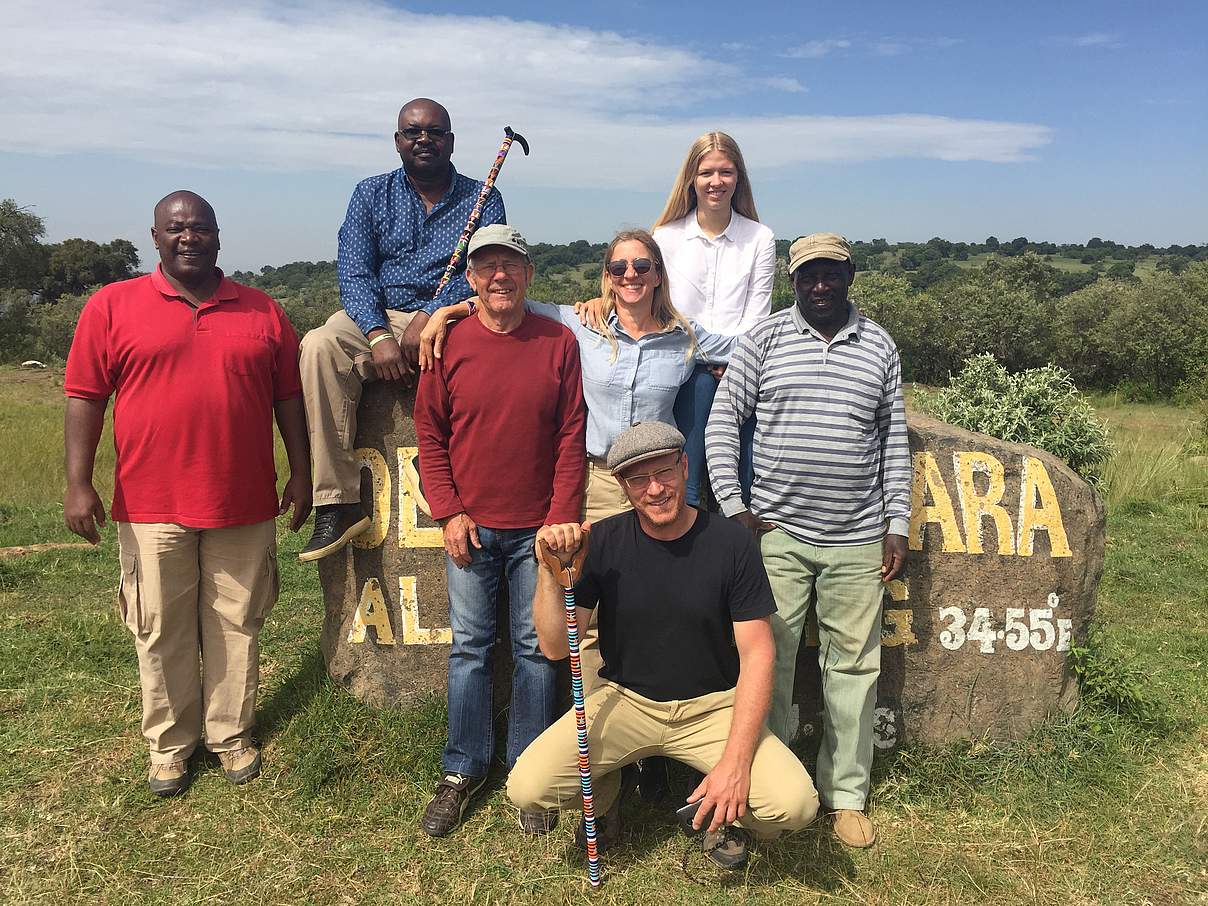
x,y
412,133
621,265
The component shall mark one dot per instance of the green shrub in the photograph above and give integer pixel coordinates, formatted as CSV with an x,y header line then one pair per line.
x,y
1038,406
1109,682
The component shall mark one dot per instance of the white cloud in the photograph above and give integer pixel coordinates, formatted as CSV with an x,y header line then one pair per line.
x,y
782,83
816,50
1092,39
311,86
890,47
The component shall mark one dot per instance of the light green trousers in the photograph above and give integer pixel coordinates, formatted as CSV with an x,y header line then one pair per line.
x,y
845,585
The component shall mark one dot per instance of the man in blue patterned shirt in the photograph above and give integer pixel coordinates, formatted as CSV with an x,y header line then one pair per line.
x,y
395,243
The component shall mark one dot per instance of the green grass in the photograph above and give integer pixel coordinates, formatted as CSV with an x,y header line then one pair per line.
x,y
1107,805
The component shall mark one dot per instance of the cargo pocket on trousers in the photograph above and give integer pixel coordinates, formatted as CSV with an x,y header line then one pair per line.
x,y
129,597
268,589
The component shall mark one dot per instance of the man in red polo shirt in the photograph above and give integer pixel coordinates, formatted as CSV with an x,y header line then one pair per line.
x,y
198,366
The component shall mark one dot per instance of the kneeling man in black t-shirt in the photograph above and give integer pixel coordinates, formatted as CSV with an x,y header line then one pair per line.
x,y
688,654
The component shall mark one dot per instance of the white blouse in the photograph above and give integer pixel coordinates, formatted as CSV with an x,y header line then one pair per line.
x,y
724,283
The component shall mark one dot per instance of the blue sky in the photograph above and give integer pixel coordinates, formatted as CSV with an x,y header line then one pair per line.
x,y
904,121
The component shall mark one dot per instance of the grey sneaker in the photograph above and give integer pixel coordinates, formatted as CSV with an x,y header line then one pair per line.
x,y
169,779
445,810
727,847
241,765
335,525
538,821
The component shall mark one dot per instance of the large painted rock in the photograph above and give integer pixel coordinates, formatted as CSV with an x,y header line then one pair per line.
x,y
1006,554
386,635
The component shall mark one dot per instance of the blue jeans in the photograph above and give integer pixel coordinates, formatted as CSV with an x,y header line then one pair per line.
x,y
505,554
691,415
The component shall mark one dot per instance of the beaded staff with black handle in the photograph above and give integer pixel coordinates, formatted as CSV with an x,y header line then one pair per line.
x,y
565,573
463,242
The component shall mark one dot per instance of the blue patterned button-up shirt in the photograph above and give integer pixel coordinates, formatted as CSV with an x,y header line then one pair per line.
x,y
393,252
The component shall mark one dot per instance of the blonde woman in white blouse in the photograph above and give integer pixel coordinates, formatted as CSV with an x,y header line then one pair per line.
x,y
720,264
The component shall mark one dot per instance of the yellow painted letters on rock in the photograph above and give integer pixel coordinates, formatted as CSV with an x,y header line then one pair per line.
x,y
1039,509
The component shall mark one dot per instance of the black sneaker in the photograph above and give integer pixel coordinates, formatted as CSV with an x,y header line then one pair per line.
x,y
727,847
335,525
538,821
608,829
445,810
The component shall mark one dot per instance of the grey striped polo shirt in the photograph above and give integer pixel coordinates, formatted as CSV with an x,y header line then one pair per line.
x,y
832,462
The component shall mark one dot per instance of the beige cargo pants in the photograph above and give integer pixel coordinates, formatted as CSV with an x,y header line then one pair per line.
x,y
195,600
335,363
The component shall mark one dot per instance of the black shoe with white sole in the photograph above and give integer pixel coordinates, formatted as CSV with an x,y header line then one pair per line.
x,y
335,525
448,806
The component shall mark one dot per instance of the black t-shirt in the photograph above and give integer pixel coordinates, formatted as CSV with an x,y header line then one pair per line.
x,y
667,608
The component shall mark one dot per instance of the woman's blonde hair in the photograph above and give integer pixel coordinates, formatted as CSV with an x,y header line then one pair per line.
x,y
665,314
683,195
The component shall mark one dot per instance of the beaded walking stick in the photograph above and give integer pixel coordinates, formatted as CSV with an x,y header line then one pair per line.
x,y
565,573
472,223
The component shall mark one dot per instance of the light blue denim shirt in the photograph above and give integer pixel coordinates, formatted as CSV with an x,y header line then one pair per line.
x,y
641,384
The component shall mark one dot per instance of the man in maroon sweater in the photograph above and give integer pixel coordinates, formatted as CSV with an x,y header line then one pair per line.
x,y
500,422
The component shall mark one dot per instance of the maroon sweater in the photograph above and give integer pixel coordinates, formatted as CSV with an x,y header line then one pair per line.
x,y
501,426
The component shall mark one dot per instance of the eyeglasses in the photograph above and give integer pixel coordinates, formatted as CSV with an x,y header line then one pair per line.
x,y
412,133
511,268
662,476
621,265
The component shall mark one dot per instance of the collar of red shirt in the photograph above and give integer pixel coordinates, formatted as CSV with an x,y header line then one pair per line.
x,y
227,290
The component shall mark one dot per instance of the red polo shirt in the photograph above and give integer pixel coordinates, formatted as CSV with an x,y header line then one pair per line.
x,y
193,398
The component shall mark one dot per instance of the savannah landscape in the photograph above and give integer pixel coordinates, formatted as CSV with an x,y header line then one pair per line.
x,y
1108,804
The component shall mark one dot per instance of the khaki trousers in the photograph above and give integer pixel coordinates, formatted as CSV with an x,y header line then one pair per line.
x,y
335,363
623,727
844,585
188,594
603,497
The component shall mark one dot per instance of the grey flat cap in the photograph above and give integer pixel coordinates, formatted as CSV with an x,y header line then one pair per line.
x,y
645,440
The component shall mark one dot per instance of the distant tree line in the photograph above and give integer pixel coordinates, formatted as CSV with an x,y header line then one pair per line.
x,y
1115,316
1147,335
51,270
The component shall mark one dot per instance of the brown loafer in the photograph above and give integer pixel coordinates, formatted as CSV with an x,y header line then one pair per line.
x,y
854,829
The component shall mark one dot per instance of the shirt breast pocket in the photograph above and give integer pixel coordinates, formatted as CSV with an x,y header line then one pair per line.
x,y
861,411
663,369
247,354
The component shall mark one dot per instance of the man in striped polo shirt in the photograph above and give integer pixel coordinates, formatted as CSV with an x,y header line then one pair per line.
x,y
831,499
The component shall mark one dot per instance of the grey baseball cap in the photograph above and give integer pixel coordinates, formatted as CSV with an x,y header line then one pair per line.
x,y
498,234
645,440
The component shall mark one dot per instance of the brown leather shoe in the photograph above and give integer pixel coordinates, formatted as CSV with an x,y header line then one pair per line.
x,y
854,829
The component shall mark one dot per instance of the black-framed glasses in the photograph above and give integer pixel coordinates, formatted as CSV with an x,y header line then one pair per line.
x,y
662,476
413,133
618,267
